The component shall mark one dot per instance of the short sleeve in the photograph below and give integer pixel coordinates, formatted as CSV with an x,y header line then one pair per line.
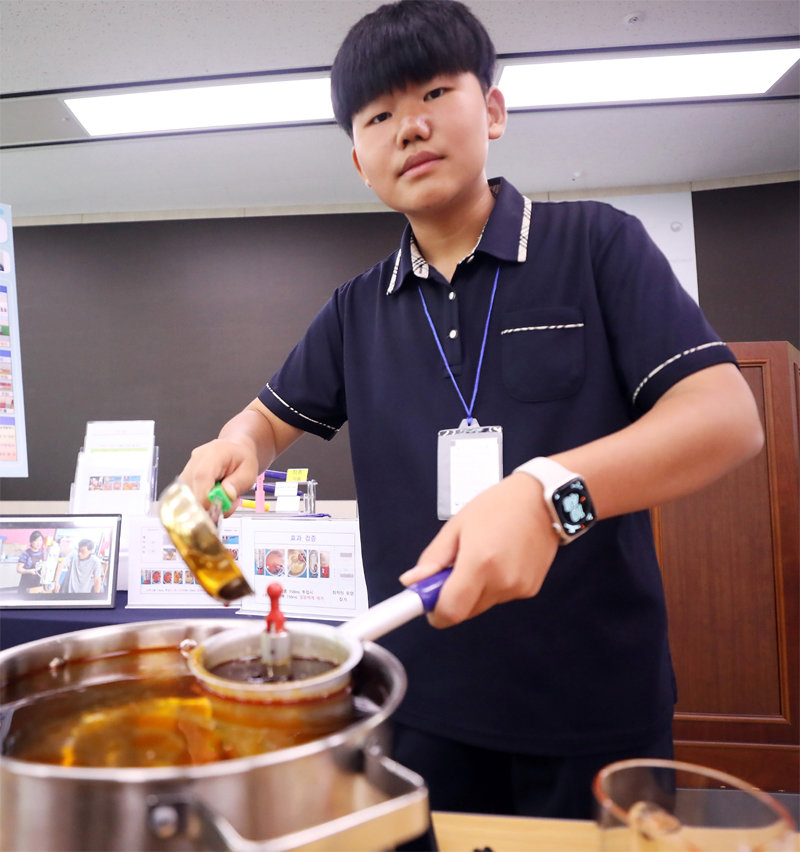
x,y
658,333
308,390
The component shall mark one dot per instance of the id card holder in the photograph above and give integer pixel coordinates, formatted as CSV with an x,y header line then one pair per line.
x,y
469,459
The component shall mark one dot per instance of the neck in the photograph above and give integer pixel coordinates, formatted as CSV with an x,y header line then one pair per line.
x,y
446,237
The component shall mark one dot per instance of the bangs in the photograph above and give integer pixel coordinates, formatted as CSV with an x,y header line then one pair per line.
x,y
406,44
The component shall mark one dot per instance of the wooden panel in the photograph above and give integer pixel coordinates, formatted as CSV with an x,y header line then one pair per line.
x,y
771,767
723,620
730,558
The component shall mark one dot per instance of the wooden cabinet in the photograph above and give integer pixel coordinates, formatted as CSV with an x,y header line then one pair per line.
x,y
730,559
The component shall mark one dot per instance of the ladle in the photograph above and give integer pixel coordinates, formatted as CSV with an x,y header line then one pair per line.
x,y
341,646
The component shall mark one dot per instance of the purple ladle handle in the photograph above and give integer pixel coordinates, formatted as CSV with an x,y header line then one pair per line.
x,y
429,588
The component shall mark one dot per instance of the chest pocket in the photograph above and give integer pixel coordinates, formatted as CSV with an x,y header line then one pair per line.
x,y
543,353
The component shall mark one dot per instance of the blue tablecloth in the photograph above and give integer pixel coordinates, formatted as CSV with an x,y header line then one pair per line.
x,y
26,625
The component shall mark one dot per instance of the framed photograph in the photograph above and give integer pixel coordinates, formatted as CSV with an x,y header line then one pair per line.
x,y
58,560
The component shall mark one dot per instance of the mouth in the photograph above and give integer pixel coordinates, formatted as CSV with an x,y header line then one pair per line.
x,y
418,161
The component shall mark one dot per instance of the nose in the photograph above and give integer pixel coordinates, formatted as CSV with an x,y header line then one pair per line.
x,y
414,126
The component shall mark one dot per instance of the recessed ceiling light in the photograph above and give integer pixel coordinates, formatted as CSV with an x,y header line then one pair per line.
x,y
679,76
200,107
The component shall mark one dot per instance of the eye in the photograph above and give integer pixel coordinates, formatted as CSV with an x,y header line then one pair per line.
x,y
435,93
377,119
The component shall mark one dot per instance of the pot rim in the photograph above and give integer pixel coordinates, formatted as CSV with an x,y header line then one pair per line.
x,y
49,647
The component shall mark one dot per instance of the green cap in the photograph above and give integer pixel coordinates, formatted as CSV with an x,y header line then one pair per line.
x,y
218,495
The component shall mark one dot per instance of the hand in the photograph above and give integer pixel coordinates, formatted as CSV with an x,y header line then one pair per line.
x,y
232,463
501,546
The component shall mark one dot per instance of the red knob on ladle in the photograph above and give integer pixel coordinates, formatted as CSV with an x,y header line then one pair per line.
x,y
276,651
275,618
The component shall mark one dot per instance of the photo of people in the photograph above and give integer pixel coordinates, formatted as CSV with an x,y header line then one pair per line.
x,y
86,572
58,561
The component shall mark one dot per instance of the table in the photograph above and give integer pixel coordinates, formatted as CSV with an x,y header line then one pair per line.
x,y
457,832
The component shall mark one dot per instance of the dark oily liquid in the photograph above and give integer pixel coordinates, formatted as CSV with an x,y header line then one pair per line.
x,y
254,670
143,709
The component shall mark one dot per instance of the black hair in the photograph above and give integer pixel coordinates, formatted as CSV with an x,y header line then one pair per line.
x,y
34,535
87,543
407,42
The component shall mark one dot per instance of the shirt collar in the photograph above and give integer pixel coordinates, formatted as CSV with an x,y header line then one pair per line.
x,y
505,236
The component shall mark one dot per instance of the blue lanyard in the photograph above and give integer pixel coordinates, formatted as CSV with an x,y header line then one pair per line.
x,y
469,408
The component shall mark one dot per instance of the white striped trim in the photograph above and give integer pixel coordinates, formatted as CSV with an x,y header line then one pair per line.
x,y
300,413
419,265
522,248
421,268
393,279
672,360
542,327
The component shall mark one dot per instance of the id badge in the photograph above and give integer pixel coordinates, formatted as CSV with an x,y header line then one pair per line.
x,y
469,459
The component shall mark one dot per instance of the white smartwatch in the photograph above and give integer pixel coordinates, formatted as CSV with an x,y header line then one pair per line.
x,y
565,495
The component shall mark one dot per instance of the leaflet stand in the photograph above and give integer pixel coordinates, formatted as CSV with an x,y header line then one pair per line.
x,y
117,473
154,477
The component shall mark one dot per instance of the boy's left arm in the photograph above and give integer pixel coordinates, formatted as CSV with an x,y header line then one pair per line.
x,y
502,543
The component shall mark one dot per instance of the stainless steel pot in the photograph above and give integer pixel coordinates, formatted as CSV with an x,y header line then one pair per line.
x,y
337,792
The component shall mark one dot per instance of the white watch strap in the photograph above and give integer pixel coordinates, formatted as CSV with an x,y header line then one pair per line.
x,y
550,473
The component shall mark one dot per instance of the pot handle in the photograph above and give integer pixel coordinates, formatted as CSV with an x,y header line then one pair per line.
x,y
400,814
395,611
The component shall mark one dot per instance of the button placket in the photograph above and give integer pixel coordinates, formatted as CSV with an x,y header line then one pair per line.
x,y
453,331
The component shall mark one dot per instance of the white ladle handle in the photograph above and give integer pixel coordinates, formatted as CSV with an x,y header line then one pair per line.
x,y
395,611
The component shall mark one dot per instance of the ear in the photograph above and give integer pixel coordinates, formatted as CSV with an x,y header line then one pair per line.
x,y
360,171
496,110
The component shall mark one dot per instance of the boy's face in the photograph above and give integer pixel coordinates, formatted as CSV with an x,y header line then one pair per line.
x,y
423,149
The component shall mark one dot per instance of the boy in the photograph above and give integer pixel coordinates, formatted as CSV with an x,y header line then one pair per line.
x,y
85,571
561,329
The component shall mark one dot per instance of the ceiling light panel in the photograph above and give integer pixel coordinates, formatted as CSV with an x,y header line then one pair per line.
x,y
227,105
631,78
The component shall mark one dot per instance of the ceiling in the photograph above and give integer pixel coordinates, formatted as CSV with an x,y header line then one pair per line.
x,y
51,45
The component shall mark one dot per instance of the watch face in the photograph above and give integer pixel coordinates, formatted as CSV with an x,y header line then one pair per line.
x,y
574,507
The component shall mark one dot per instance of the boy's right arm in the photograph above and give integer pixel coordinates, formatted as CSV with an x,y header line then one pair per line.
x,y
247,445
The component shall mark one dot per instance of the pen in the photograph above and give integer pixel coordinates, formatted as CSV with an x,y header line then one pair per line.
x,y
251,504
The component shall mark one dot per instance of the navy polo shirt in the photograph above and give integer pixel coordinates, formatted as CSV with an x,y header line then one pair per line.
x,y
588,328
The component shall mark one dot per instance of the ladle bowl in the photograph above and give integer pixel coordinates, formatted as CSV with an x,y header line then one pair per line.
x,y
309,641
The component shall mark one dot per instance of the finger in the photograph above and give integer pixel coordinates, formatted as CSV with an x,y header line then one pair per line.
x,y
230,486
239,477
439,554
199,477
459,599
